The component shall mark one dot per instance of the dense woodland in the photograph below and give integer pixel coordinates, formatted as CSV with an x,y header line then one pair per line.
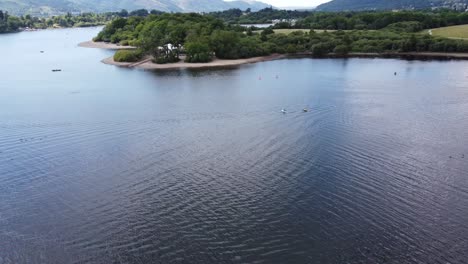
x,y
380,20
203,37
343,20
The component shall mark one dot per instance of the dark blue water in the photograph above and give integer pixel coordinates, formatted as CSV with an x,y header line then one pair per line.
x,y
100,164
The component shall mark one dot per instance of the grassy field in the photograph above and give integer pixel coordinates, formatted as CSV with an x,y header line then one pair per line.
x,y
288,31
459,32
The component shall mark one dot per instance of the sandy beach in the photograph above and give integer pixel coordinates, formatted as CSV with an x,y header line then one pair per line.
x,y
147,64
103,45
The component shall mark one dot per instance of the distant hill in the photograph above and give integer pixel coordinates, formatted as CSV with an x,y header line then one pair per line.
x,y
50,7
347,5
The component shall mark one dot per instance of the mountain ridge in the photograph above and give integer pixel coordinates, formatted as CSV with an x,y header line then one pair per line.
x,y
356,5
51,7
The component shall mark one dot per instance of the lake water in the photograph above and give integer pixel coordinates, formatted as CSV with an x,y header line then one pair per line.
x,y
257,25
100,164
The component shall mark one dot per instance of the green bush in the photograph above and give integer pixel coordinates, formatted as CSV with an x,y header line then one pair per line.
x,y
291,49
197,52
341,50
128,55
407,26
164,60
319,50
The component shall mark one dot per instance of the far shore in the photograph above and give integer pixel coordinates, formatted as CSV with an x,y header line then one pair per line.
x,y
147,63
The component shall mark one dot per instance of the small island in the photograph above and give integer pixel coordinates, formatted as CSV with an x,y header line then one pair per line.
x,y
181,40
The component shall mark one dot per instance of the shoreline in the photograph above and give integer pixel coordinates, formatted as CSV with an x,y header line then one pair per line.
x,y
103,45
389,55
410,55
147,64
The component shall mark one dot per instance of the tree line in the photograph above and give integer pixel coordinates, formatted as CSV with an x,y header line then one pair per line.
x,y
379,20
344,20
203,37
6,24
292,19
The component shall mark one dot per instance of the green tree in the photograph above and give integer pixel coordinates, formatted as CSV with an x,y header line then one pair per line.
x,y
123,13
319,50
198,51
225,44
13,23
153,36
341,50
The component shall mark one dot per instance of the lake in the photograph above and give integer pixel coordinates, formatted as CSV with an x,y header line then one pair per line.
x,y
257,25
100,164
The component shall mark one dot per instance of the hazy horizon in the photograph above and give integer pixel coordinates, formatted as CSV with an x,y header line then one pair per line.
x,y
294,3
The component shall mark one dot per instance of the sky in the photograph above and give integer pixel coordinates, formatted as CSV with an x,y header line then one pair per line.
x,y
286,3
